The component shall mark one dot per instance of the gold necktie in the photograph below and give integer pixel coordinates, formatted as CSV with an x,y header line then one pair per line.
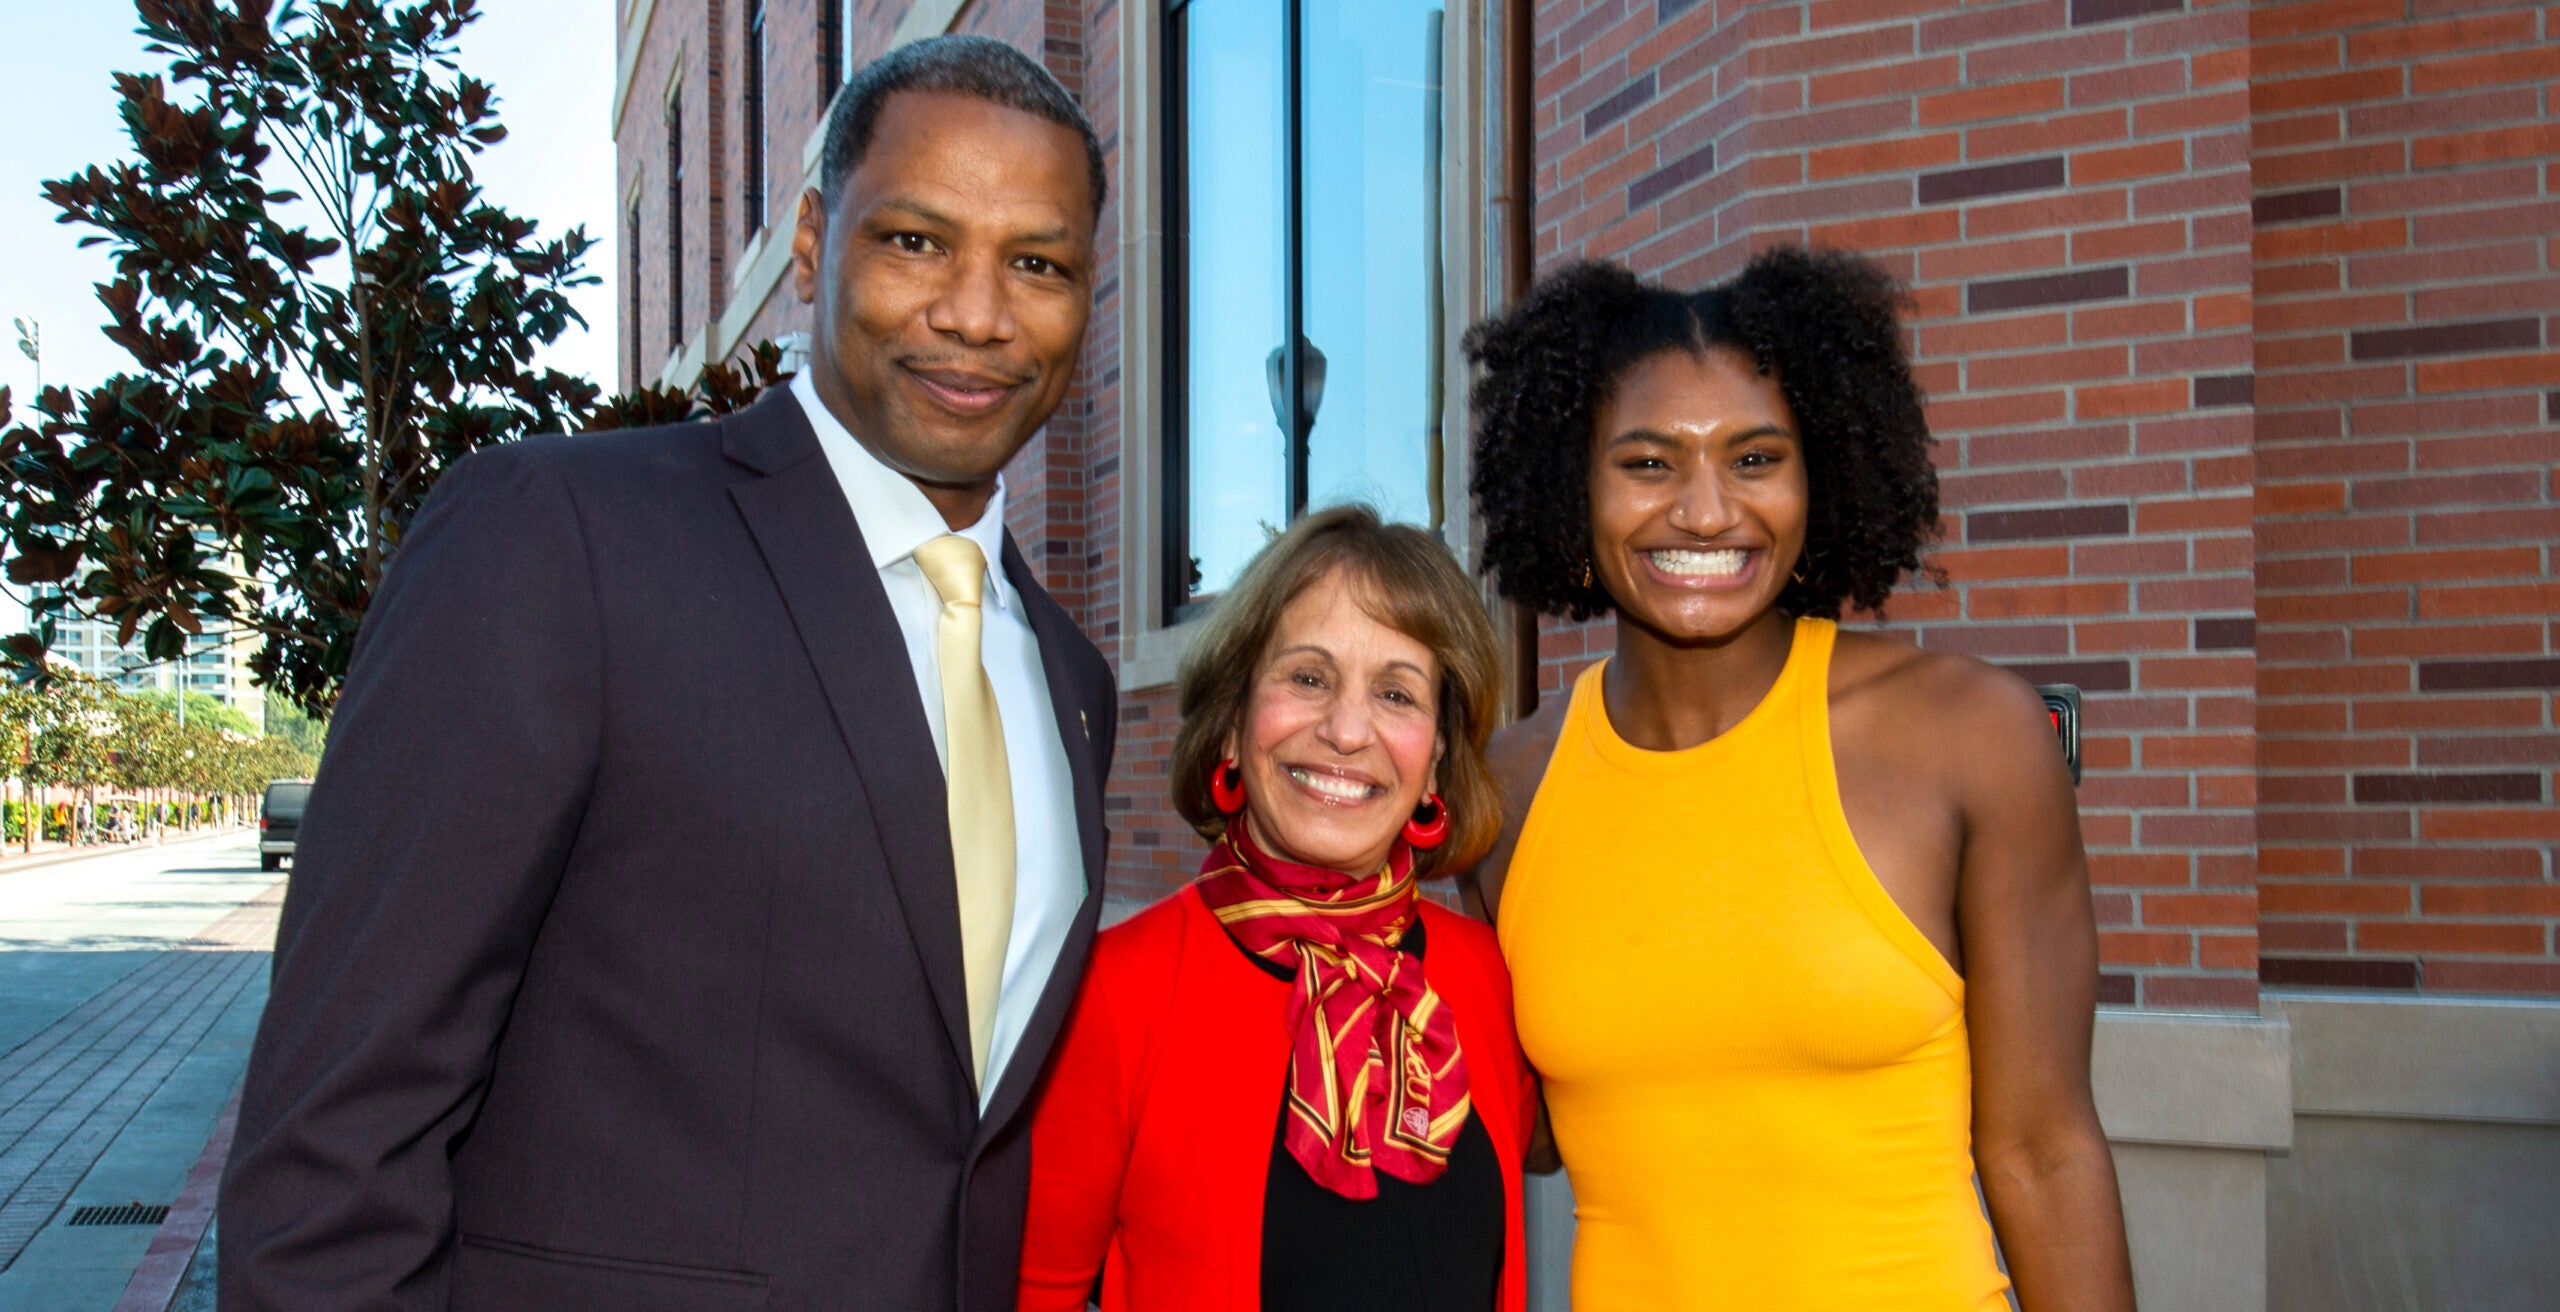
x,y
978,780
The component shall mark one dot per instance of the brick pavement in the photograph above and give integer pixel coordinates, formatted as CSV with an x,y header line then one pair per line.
x,y
70,1089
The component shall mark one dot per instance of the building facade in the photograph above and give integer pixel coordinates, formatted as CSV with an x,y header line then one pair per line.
x,y
216,662
2240,324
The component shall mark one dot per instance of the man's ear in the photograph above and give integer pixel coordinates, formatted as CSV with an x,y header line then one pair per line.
x,y
808,245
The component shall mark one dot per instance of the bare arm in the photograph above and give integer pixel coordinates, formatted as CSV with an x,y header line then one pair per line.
x,y
2031,970
1518,755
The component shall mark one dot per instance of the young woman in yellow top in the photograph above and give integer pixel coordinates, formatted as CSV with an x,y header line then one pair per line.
x,y
1798,919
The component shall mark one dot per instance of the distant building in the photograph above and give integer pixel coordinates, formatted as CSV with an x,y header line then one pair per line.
x,y
216,662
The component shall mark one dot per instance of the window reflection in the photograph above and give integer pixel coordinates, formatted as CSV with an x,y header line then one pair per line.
x,y
1235,270
1363,262
1371,209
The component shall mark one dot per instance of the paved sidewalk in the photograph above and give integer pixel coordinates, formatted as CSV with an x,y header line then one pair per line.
x,y
14,857
109,1101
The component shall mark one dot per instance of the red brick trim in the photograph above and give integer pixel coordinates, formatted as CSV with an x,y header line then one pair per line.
x,y
154,1285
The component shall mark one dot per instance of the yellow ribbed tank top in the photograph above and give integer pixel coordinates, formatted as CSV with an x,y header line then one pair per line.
x,y
1755,1064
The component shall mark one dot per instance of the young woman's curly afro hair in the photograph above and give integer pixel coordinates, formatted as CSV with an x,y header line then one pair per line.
x,y
1822,323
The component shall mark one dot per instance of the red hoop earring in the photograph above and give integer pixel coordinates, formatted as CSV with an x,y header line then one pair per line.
x,y
1226,786
1429,827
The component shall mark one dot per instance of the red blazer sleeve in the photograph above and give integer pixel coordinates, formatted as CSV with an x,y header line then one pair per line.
x,y
1525,1079
1080,1138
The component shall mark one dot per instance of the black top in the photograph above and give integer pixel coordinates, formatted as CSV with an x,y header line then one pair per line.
x,y
1413,1248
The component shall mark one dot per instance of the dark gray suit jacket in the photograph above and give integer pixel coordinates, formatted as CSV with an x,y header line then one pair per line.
x,y
621,965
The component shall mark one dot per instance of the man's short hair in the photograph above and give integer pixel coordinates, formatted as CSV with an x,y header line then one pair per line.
x,y
955,65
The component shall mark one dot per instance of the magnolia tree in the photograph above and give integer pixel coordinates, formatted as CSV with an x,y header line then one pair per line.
x,y
324,313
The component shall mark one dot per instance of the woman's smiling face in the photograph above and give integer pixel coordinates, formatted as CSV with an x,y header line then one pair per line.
x,y
1698,497
1340,737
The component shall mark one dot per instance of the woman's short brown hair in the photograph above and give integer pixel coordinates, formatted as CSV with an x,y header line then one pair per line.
x,y
1409,583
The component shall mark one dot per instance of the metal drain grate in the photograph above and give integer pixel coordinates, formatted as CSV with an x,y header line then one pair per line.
x,y
129,1214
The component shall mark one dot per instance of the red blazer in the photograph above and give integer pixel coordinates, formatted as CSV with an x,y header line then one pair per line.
x,y
1152,1138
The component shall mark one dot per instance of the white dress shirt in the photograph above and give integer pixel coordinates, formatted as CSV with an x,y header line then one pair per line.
x,y
1048,861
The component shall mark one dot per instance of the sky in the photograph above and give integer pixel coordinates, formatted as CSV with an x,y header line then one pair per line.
x,y
551,62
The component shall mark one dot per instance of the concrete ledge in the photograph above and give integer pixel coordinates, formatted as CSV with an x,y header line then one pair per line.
x,y
2195,1219
1116,908
2194,1081
765,267
2424,1058
926,18
2423,1214
635,36
1152,658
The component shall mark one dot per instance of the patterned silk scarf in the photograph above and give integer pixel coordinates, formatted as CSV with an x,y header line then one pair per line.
x,y
1376,1079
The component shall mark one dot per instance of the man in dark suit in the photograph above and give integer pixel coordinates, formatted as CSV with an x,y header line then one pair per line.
x,y
638,954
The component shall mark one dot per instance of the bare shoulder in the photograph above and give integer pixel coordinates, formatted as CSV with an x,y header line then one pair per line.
x,y
1969,718
1519,750
1518,755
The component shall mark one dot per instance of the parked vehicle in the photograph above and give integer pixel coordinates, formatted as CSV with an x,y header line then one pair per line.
x,y
279,820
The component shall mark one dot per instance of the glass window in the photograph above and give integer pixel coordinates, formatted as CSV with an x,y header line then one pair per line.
x,y
832,53
1372,250
632,279
675,221
1230,285
752,99
1305,329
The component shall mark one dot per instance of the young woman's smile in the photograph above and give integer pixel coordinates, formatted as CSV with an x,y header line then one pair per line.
x,y
1698,500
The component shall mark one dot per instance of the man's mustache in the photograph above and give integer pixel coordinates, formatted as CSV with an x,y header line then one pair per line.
x,y
1003,375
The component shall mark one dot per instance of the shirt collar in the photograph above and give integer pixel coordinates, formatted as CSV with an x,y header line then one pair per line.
x,y
892,511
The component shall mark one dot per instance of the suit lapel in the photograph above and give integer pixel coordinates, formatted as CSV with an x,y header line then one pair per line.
x,y
1071,698
815,551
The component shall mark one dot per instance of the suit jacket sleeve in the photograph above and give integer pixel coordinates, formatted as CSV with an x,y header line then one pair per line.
x,y
1080,1141
454,783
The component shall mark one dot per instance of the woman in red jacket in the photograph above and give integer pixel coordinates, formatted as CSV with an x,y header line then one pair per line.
x,y
1293,1085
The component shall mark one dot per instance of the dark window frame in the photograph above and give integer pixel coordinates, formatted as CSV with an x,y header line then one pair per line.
x,y
752,105
675,220
830,51
635,269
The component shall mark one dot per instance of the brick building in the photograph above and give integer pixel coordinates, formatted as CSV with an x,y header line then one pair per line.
x,y
2241,328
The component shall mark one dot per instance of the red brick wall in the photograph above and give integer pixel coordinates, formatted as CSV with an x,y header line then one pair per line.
x,y
640,151
2066,189
2408,197
2310,605
1152,850
712,35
